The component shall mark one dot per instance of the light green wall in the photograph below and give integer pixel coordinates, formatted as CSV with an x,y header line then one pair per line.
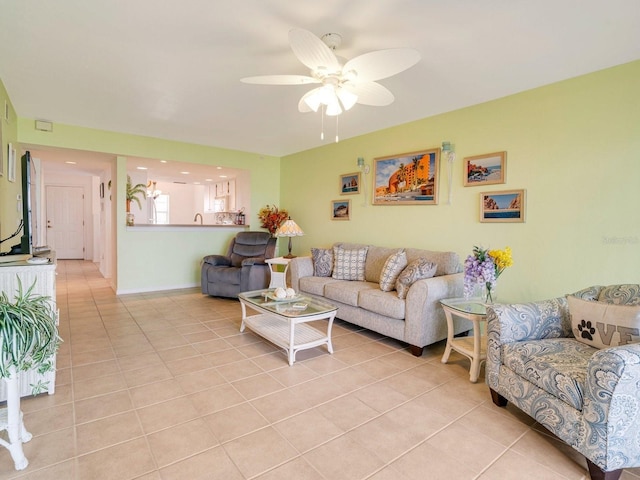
x,y
9,214
572,145
145,260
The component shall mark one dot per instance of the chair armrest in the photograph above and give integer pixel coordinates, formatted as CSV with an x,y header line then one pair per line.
x,y
217,260
611,415
249,262
300,267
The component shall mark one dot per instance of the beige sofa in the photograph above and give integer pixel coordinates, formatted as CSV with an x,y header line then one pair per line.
x,y
417,320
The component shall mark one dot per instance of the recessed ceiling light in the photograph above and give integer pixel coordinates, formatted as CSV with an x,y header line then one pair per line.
x,y
141,168
163,161
70,162
208,179
184,173
219,168
223,176
196,183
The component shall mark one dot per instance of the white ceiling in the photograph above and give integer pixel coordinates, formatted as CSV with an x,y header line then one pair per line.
x,y
171,69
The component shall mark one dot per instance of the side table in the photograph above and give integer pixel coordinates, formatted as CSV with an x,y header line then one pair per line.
x,y
473,347
278,279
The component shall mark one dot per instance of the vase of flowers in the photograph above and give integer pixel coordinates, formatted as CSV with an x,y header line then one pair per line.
x,y
482,269
271,218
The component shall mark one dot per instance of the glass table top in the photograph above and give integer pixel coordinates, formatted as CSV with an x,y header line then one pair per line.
x,y
298,306
474,306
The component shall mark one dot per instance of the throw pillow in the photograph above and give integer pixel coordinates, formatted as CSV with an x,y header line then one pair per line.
x,y
417,270
349,264
604,325
391,270
322,262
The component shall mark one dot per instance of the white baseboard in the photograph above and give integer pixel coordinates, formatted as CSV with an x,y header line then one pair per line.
x,y
155,289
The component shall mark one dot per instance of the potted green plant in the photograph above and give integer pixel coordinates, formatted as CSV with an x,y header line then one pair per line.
x,y
28,334
132,195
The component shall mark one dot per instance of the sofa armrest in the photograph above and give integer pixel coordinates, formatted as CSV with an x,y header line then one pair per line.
x,y
424,318
215,260
300,267
611,410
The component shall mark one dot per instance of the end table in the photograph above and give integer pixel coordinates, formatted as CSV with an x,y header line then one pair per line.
x,y
473,347
278,279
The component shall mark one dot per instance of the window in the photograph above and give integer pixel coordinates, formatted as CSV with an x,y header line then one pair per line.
x,y
161,209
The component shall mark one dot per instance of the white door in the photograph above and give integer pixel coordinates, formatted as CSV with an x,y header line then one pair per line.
x,y
65,221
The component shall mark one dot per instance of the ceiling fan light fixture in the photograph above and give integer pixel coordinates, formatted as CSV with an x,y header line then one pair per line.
x,y
347,98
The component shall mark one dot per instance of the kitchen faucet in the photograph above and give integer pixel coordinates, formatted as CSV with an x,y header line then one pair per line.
x,y
195,219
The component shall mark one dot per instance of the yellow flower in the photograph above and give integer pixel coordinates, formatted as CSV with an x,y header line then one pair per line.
x,y
501,258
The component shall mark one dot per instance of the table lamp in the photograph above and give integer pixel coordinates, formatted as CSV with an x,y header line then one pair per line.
x,y
289,229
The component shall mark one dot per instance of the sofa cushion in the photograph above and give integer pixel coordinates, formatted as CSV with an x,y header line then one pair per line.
x,y
349,264
416,270
315,285
558,366
347,292
376,258
322,261
447,262
603,325
393,266
626,294
383,303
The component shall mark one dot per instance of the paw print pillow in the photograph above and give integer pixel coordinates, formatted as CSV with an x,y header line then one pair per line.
x,y
604,325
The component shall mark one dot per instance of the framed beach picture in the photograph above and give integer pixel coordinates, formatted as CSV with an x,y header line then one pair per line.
x,y
485,169
407,178
503,207
350,183
340,209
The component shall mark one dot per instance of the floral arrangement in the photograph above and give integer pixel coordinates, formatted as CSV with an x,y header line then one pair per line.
x,y
483,268
271,218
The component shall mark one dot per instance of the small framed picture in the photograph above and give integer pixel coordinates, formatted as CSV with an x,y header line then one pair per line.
x,y
503,207
11,163
485,169
341,210
350,183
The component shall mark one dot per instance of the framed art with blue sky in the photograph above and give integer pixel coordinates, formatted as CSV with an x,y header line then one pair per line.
x,y
503,207
407,179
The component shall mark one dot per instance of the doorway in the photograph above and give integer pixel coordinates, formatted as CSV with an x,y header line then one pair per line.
x,y
65,221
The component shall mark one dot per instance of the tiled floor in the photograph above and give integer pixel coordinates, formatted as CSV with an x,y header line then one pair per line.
x,y
163,386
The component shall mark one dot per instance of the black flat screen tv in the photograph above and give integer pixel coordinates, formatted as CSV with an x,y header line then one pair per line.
x,y
25,240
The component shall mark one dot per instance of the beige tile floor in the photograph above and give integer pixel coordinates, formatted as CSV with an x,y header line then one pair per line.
x,y
163,386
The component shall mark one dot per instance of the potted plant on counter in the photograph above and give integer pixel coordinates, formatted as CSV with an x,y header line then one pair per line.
x,y
132,195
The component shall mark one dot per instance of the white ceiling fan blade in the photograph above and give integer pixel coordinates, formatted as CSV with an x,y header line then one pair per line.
x,y
311,51
381,64
371,93
280,80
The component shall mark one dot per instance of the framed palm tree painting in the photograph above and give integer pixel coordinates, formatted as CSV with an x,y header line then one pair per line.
x,y
407,178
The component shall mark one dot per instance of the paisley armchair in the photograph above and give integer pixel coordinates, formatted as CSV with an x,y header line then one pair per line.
x,y
588,397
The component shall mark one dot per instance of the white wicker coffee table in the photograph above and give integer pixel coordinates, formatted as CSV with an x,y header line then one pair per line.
x,y
282,322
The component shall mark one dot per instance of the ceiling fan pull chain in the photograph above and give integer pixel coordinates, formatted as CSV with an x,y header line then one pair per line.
x,y
337,117
322,130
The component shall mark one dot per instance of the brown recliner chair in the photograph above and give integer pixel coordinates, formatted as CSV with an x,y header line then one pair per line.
x,y
242,269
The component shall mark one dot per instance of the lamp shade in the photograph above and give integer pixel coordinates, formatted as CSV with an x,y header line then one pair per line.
x,y
289,229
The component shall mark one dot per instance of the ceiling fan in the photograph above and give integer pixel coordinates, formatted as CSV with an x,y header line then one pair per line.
x,y
342,85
